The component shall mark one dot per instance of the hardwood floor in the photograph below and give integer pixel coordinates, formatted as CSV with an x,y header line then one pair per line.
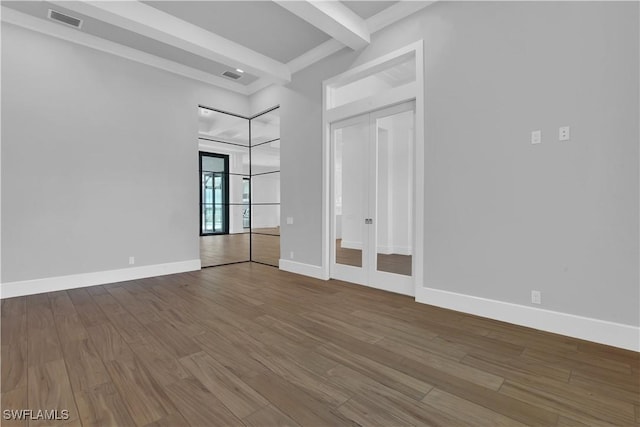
x,y
229,248
224,249
249,345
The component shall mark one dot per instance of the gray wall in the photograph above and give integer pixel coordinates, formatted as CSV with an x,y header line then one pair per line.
x,y
99,159
503,217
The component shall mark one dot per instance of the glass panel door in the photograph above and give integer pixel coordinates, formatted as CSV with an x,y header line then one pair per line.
x,y
392,198
372,195
214,186
350,140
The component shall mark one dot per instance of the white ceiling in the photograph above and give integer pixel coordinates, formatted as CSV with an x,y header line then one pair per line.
x,y
262,26
366,9
268,40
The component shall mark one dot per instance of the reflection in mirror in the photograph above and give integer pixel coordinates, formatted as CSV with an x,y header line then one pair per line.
x,y
265,249
224,188
265,188
349,171
265,127
265,219
265,157
394,193
223,127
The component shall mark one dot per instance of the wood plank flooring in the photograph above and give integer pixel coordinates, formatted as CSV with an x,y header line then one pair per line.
x,y
249,345
229,248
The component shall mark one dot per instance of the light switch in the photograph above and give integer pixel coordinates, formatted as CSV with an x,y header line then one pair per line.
x,y
536,137
564,134
289,220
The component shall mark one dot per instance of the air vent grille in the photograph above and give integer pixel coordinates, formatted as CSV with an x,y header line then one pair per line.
x,y
231,75
65,19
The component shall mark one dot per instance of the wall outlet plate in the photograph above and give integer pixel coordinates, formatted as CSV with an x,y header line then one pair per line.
x,y
564,133
536,137
536,297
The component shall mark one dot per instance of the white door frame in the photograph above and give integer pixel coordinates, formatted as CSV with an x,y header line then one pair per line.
x,y
368,273
405,93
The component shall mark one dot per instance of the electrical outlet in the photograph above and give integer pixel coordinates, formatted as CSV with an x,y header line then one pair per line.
x,y
289,220
291,255
564,133
536,137
536,297
132,260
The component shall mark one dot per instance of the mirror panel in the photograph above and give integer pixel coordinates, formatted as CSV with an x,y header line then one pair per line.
x,y
394,188
224,201
222,127
265,188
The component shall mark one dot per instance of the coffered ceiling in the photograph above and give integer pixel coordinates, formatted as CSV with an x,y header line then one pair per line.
x,y
264,42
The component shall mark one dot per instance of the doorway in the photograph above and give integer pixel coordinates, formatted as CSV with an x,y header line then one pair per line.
x,y
372,193
214,194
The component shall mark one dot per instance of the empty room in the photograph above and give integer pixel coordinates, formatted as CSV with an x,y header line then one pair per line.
x,y
320,213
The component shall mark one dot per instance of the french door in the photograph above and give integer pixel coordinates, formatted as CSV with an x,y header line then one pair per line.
x,y
214,193
372,193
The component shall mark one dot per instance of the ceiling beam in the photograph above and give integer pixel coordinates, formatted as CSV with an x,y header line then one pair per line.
x,y
72,35
394,13
333,18
158,25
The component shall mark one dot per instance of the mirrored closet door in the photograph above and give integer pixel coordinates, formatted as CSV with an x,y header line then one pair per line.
x,y
373,194
224,167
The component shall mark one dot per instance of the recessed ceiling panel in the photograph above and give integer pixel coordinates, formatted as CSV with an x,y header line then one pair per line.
x,y
131,39
262,26
366,9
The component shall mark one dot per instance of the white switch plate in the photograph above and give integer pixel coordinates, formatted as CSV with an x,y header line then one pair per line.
x,y
536,297
289,220
564,133
291,255
536,137
132,260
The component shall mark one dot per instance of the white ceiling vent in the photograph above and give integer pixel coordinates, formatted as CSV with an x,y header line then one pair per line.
x,y
65,19
231,75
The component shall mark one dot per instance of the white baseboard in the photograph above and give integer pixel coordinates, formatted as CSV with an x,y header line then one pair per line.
x,y
51,284
314,271
600,331
349,244
388,250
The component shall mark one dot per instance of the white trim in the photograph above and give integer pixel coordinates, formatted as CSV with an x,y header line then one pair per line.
x,y
586,328
394,13
399,250
350,244
418,170
60,283
309,270
32,23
